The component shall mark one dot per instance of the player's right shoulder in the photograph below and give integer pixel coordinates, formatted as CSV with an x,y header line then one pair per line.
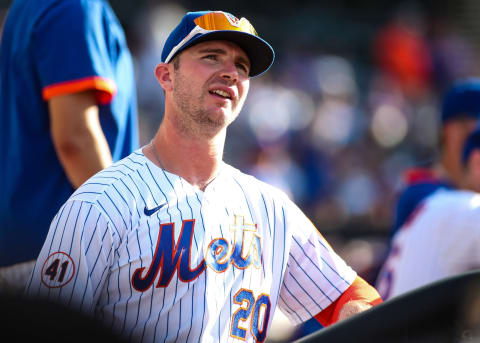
x,y
417,189
117,193
455,198
114,181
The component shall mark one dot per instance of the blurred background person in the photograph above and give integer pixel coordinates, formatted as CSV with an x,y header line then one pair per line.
x,y
68,108
441,237
460,114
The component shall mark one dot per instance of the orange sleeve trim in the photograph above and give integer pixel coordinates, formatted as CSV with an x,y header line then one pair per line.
x,y
105,88
358,290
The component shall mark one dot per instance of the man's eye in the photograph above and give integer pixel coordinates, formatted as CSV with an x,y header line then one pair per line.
x,y
211,57
242,67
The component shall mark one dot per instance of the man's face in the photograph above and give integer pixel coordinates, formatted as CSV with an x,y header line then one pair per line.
x,y
462,129
454,136
210,85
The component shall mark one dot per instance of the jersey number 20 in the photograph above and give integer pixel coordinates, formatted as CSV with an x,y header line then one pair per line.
x,y
258,320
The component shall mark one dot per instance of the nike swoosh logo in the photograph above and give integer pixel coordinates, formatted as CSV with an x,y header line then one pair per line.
x,y
149,212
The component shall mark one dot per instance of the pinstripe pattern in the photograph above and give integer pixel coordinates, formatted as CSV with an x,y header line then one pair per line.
x,y
113,245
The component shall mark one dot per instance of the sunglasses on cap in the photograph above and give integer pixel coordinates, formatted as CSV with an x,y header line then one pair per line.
x,y
214,21
197,27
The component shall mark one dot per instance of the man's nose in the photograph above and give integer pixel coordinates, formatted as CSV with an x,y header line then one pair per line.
x,y
230,72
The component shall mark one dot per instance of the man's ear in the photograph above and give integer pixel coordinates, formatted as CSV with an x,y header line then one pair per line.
x,y
163,74
472,174
474,160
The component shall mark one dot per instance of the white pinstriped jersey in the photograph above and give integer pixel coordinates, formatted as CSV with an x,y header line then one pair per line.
x,y
158,260
441,239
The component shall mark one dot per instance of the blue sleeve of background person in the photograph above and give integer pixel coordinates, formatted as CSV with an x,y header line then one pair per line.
x,y
92,44
46,42
409,199
69,44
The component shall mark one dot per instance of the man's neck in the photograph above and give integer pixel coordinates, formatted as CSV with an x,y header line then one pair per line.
x,y
195,159
446,171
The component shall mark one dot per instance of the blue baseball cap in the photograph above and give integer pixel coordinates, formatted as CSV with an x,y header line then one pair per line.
x,y
472,143
462,100
196,27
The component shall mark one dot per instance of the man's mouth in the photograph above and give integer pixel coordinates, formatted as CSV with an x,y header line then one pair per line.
x,y
221,93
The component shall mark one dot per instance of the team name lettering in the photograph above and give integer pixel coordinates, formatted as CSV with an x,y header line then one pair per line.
x,y
246,248
169,258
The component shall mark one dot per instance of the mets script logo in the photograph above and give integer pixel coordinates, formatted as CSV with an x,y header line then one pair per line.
x,y
246,249
170,257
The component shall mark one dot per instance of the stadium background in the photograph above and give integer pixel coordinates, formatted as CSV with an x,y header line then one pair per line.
x,y
352,100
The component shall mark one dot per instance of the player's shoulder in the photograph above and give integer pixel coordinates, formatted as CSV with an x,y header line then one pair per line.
x,y
256,190
451,198
115,180
420,182
460,208
251,184
418,185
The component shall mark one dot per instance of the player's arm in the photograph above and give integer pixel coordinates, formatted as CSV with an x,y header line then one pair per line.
x,y
78,138
72,264
360,296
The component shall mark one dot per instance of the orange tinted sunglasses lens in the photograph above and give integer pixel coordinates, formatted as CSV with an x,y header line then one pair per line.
x,y
214,21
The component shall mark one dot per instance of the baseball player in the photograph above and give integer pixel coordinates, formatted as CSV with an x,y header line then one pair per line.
x,y
171,244
68,108
441,237
459,117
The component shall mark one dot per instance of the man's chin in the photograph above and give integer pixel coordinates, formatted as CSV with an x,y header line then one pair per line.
x,y
222,115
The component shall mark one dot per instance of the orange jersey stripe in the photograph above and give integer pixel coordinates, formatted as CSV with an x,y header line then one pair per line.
x,y
105,88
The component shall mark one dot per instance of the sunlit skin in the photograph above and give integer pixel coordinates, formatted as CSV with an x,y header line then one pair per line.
x,y
471,179
205,67
191,138
455,133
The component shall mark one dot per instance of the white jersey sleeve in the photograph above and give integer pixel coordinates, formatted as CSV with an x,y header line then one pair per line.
x,y
76,257
315,275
